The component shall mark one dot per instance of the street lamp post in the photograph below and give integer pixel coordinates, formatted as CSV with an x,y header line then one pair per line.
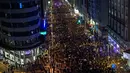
x,y
50,46
108,50
52,40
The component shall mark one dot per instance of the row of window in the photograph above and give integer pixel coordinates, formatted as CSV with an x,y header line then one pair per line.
x,y
20,43
122,21
19,15
125,35
121,9
116,26
19,34
122,17
18,5
20,25
119,2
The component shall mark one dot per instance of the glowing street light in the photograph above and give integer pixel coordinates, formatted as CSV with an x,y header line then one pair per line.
x,y
49,2
76,11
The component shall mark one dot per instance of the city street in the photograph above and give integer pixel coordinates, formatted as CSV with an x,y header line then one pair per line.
x,y
76,52
71,50
64,36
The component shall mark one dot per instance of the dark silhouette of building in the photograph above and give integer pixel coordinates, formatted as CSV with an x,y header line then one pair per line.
x,y
20,22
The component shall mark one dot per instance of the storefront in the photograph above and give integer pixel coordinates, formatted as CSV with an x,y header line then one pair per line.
x,y
114,45
19,57
126,55
124,45
1,54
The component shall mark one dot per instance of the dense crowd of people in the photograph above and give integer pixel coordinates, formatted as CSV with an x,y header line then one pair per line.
x,y
72,51
79,58
38,66
75,51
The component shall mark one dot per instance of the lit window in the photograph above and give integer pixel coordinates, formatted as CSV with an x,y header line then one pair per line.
x,y
22,61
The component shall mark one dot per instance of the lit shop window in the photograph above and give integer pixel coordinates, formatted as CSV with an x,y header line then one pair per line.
x,y
22,53
34,58
12,57
1,51
6,54
22,62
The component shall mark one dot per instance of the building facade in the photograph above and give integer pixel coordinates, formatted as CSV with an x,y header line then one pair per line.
x,y
19,30
112,15
94,13
97,15
44,6
119,22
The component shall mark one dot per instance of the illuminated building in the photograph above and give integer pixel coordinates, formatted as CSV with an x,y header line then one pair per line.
x,y
94,13
119,22
19,30
97,15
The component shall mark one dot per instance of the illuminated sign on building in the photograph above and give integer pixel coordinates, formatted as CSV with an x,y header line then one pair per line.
x,y
43,27
20,5
43,33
